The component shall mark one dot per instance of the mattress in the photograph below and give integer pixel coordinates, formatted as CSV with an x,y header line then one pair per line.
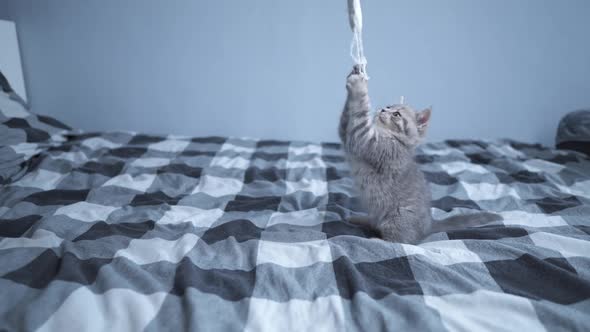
x,y
123,231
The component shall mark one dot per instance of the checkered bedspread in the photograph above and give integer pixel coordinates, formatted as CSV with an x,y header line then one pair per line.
x,y
125,232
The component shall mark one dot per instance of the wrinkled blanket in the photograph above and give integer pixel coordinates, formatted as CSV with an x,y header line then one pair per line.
x,y
124,232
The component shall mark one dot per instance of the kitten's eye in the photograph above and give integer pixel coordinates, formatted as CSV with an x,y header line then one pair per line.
x,y
396,114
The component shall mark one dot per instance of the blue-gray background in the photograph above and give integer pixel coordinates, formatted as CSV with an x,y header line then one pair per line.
x,y
276,69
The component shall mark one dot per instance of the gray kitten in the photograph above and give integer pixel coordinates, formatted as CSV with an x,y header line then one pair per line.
x,y
381,152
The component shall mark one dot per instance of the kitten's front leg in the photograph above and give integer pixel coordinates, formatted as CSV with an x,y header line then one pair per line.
x,y
355,89
362,140
343,127
358,130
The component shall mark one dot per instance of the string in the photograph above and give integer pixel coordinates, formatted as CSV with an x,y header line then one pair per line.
x,y
357,52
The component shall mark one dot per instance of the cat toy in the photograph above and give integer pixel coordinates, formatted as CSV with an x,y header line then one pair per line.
x,y
355,19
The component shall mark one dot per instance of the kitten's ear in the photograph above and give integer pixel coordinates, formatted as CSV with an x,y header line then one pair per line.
x,y
423,119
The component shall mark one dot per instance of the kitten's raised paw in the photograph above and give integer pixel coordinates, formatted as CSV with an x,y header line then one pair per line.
x,y
356,82
356,70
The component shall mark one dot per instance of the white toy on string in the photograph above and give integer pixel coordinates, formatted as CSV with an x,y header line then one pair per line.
x,y
355,18
357,52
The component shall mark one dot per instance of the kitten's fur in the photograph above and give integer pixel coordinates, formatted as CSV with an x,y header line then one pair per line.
x,y
381,153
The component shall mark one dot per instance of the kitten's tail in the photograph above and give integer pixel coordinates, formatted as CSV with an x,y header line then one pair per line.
x,y
456,222
463,221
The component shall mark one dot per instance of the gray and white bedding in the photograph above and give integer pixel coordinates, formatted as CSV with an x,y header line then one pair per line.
x,y
129,232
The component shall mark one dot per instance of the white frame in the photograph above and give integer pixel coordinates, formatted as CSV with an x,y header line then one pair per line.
x,y
10,61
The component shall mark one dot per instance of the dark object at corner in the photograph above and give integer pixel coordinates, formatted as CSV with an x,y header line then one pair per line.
x,y
4,84
573,132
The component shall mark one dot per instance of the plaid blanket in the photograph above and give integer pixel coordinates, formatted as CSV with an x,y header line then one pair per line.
x,y
128,232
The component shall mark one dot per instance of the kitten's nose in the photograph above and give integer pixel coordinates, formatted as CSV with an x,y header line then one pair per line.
x,y
382,110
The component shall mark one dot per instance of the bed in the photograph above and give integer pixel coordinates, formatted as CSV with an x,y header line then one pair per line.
x,y
124,231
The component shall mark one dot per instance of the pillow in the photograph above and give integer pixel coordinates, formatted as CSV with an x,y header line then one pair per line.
x,y
573,132
22,134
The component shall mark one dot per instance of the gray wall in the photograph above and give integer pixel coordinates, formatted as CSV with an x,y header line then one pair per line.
x,y
276,69
4,14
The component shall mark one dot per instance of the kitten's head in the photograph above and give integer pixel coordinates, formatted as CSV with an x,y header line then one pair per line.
x,y
402,123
